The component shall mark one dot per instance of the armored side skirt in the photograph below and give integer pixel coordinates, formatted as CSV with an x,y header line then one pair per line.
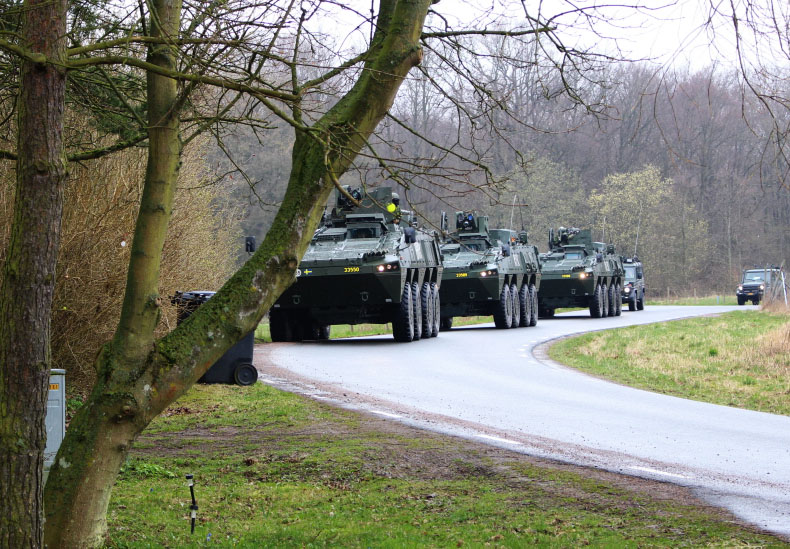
x,y
469,296
565,292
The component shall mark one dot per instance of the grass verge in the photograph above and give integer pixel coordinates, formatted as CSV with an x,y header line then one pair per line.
x,y
340,331
741,358
702,300
275,469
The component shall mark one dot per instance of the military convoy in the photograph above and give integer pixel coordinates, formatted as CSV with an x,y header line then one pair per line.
x,y
634,284
368,262
488,272
577,272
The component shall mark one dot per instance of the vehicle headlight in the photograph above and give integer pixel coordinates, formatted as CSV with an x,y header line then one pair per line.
x,y
489,272
384,267
762,286
627,289
582,275
740,287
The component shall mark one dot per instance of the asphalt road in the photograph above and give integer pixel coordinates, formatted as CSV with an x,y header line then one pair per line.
x,y
498,386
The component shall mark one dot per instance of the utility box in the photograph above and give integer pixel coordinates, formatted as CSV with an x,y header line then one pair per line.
x,y
56,415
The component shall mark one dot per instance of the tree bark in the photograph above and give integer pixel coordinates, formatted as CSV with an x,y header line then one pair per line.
x,y
29,275
140,377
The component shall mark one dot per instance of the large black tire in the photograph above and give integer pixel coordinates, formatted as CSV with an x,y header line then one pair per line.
x,y
741,301
245,374
596,306
446,323
612,300
640,303
533,317
426,301
278,326
618,298
503,312
324,330
403,323
525,305
515,307
604,301
437,310
417,303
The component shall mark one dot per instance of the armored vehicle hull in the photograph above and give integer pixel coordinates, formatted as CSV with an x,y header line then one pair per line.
x,y
486,272
578,272
365,264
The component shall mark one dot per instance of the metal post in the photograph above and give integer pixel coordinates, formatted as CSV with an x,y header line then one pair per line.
x,y
194,507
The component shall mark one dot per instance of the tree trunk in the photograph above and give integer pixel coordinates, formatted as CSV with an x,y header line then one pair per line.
x,y
29,275
139,377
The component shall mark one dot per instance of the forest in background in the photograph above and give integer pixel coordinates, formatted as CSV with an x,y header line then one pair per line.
x,y
681,157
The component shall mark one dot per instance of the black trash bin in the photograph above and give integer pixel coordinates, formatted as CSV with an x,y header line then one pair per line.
x,y
235,366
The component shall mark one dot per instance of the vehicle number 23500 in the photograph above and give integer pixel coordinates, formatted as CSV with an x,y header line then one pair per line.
x,y
350,269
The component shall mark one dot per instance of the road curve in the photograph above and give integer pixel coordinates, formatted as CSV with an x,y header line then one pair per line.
x,y
498,386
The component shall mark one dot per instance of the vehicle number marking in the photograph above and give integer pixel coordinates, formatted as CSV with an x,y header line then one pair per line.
x,y
461,275
350,269
566,276
54,386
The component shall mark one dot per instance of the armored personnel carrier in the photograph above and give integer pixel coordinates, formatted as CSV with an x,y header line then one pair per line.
x,y
578,272
366,263
488,272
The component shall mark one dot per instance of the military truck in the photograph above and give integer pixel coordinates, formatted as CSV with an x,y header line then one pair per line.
x,y
759,283
634,284
368,262
488,272
577,272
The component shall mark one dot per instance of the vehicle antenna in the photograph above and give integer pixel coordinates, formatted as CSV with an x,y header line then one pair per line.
x,y
512,208
521,213
638,225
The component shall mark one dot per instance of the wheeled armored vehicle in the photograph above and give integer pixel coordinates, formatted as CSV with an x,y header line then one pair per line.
x,y
488,272
634,284
368,262
578,272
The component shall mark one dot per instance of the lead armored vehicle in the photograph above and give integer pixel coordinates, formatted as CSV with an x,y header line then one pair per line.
x,y
489,272
578,272
366,263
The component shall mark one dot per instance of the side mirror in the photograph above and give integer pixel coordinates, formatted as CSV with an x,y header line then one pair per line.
x,y
249,244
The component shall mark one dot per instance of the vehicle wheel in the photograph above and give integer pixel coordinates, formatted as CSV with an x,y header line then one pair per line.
x,y
596,307
612,300
604,301
245,374
741,301
755,301
324,331
632,303
525,305
533,317
618,297
426,302
503,313
417,303
515,307
640,303
437,309
278,326
446,323
403,323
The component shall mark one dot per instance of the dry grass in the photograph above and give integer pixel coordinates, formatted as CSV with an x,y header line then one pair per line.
x,y
101,204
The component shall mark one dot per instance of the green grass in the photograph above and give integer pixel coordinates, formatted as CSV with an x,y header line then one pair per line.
x,y
728,299
277,470
741,358
340,331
